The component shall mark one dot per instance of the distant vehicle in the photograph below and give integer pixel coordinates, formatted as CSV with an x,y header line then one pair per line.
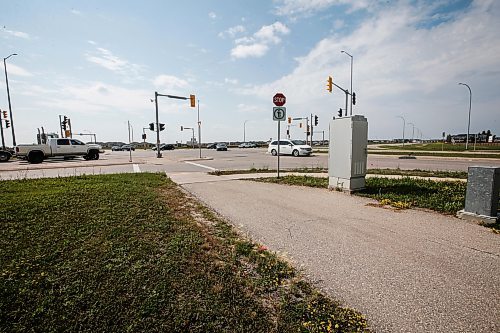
x,y
290,147
5,155
221,146
167,146
212,145
56,147
127,147
247,145
116,148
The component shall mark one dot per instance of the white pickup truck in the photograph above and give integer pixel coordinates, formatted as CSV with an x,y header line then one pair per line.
x,y
56,147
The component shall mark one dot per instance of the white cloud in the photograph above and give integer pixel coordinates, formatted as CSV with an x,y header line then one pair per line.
x,y
76,12
231,32
401,67
258,44
169,82
16,70
254,50
11,33
108,60
212,15
231,81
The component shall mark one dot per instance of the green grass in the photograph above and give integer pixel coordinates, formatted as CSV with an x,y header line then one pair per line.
x,y
419,173
265,170
436,146
132,252
445,197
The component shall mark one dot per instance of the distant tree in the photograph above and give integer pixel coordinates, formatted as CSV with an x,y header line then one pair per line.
x,y
488,133
448,138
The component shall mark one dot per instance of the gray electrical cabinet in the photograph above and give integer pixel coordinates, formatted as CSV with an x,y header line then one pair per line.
x,y
348,153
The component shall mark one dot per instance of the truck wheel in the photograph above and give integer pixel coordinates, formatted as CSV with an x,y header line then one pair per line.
x,y
296,153
4,156
35,157
95,156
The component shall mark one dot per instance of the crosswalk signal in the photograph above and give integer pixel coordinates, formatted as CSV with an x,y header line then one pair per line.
x,y
353,98
315,120
4,114
329,84
289,120
192,99
7,123
151,126
162,127
340,112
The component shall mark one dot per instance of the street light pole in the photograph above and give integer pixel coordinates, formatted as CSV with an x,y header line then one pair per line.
x,y
351,76
404,125
8,98
199,128
470,105
413,130
244,131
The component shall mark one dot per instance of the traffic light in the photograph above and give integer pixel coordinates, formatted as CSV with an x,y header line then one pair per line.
x,y
300,125
288,132
144,136
4,114
289,120
315,120
64,122
353,98
182,128
162,127
7,123
151,126
329,84
340,112
192,100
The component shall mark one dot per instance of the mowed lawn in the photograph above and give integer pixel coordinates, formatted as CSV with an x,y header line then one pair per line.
x,y
132,252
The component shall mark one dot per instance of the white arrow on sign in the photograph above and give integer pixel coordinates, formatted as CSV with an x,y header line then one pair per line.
x,y
279,113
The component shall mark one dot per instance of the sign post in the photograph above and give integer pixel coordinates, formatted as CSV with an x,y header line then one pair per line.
x,y
279,114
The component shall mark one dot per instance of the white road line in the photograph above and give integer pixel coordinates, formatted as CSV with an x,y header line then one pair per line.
x,y
201,166
136,168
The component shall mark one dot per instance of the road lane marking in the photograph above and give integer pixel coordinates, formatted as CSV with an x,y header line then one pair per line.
x,y
201,166
136,168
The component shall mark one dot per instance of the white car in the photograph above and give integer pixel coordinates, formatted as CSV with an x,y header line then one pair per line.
x,y
290,147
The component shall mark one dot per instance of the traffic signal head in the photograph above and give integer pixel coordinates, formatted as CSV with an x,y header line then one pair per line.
x,y
144,136
289,120
353,98
315,120
162,127
7,123
4,114
192,99
300,125
329,84
182,128
151,126
340,112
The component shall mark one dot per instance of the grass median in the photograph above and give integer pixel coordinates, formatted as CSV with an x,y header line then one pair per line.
x,y
443,196
133,252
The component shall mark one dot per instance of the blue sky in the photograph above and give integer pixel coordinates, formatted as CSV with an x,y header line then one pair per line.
x,y
100,62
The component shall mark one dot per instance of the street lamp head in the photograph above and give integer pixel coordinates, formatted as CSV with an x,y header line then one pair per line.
x,y
13,54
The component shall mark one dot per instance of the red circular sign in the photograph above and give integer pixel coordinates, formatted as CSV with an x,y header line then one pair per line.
x,y
279,99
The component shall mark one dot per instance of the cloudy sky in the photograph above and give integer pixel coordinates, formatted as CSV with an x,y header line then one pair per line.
x,y
100,62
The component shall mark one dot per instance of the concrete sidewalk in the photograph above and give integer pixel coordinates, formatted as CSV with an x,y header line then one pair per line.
x,y
407,271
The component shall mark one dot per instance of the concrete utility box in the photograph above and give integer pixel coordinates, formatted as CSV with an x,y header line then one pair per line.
x,y
347,153
481,198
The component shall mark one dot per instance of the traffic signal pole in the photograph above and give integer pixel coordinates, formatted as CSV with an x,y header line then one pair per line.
x,y
1,131
158,153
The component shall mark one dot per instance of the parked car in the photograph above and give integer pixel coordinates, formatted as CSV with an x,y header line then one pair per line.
x,y
164,146
247,145
116,148
212,145
221,146
127,147
290,147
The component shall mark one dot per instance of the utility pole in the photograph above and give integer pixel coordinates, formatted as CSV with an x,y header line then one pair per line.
x,y
8,98
199,128
158,153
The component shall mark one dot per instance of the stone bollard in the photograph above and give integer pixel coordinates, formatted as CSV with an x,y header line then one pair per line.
x,y
481,198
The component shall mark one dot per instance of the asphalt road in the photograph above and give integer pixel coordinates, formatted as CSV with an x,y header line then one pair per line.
x,y
187,160
408,271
